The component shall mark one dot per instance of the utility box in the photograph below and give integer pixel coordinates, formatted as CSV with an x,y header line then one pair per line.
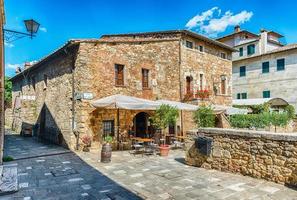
x,y
204,145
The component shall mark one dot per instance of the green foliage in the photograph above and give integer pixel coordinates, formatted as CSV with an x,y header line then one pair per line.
x,y
290,110
279,119
261,120
256,109
8,91
204,117
7,158
108,139
165,115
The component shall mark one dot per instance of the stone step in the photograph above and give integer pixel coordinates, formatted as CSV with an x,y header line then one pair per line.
x,y
8,179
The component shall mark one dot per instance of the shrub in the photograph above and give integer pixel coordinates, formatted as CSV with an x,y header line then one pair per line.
x,y
204,117
108,139
7,158
290,110
279,119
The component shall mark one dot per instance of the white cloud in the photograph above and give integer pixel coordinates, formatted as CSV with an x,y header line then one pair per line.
x,y
211,22
13,66
21,65
43,29
9,45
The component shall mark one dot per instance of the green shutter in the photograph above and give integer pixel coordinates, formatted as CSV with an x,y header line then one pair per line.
x,y
242,71
238,95
266,94
244,95
241,51
280,64
265,67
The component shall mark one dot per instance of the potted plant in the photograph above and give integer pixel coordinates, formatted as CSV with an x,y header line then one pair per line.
x,y
164,116
203,94
86,140
106,150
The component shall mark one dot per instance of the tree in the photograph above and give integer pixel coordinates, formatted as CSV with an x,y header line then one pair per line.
x,y
279,119
165,115
8,91
204,117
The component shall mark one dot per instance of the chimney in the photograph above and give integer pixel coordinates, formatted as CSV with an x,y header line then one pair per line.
x,y
18,70
263,41
237,29
27,65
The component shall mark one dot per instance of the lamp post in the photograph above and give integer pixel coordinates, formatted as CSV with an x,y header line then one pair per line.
x,y
31,26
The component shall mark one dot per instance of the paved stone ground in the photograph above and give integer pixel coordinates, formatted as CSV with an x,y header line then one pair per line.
x,y
67,176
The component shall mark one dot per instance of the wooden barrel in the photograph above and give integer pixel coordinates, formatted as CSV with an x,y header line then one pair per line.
x,y
106,153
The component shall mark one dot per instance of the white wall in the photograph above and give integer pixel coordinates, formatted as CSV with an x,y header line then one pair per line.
x,y
280,83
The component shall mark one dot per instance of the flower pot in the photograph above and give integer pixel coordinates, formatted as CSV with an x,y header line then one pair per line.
x,y
106,153
164,150
86,149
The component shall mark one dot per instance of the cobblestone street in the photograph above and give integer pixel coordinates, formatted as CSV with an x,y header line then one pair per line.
x,y
60,174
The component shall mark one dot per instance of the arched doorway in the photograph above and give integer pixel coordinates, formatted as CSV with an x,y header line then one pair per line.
x,y
141,127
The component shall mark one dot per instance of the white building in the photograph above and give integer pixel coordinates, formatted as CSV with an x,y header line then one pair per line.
x,y
263,67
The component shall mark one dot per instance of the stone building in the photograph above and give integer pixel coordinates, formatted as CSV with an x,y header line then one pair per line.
x,y
2,21
263,67
55,93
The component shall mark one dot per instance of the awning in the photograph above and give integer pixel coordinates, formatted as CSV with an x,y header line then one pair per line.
x,y
228,110
259,101
179,105
125,102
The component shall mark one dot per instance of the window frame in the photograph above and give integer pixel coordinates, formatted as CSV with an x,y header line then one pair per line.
x,y
145,83
240,51
189,44
223,55
283,66
116,69
106,127
242,74
265,67
249,52
266,92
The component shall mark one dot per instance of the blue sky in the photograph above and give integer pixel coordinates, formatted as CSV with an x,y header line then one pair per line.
x,y
62,20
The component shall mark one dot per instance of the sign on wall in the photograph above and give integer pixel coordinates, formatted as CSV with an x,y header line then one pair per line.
x,y
83,95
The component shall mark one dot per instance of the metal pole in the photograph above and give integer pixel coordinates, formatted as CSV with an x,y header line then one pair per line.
x,y
2,57
182,122
118,129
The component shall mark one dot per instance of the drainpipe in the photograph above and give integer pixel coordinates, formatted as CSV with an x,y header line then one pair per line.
x,y
180,87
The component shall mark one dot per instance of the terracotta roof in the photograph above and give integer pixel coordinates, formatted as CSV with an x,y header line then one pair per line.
x,y
235,33
186,32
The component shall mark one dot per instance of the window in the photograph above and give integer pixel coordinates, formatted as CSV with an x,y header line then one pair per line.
x,y
119,75
223,84
223,55
108,128
266,94
241,51
242,95
242,71
280,64
265,67
45,81
189,80
189,44
201,81
145,78
201,48
250,49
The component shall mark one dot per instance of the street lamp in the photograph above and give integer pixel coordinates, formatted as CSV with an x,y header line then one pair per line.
x,y
31,26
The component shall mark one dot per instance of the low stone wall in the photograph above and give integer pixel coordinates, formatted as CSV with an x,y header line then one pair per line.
x,y
266,155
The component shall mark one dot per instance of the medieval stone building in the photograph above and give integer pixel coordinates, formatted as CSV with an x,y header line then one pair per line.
x,y
55,93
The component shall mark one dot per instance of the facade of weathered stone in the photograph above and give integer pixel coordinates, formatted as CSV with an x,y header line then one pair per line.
x,y
168,65
2,21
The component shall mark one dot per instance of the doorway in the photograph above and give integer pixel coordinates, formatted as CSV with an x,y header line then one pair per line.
x,y
141,125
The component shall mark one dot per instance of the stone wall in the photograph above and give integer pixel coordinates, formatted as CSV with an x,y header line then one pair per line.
x,y
266,155
46,103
